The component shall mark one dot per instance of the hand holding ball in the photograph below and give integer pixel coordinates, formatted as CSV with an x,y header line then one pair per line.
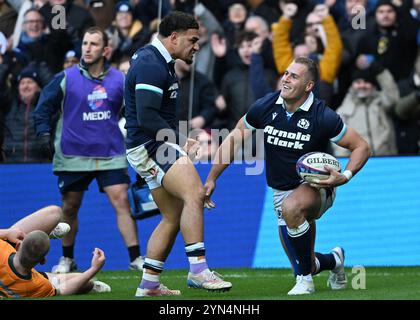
x,y
311,166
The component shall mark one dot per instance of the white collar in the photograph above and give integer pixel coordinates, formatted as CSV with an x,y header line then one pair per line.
x,y
161,48
305,106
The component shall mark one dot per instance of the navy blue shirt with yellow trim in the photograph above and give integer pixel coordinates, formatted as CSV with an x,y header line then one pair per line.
x,y
150,94
288,136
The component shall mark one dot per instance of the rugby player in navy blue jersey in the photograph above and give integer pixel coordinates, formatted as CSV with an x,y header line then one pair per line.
x,y
161,155
295,123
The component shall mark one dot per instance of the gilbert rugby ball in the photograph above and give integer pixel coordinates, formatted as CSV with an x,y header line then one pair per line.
x,y
311,166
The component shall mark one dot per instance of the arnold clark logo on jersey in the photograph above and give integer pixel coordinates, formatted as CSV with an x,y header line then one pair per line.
x,y
95,101
282,138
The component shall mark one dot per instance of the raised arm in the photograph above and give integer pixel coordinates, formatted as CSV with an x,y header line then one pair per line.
x,y
75,284
390,94
331,59
282,47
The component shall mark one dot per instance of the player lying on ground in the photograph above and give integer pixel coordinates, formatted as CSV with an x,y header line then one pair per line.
x,y
26,244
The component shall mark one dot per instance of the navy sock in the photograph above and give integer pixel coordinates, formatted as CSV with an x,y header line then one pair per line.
x,y
300,238
290,251
134,252
325,262
68,251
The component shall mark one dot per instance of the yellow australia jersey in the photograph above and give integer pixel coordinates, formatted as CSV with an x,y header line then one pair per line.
x,y
15,285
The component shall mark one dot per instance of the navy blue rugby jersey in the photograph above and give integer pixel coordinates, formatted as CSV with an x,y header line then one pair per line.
x,y
151,84
289,136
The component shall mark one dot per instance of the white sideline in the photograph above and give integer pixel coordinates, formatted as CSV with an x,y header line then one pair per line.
x,y
272,275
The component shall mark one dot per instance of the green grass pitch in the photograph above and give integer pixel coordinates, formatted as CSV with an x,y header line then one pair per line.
x,y
381,283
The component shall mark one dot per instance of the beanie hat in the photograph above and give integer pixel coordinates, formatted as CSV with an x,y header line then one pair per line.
x,y
123,6
385,3
71,54
30,73
366,75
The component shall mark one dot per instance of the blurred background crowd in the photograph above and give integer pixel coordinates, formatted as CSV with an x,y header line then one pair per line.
x,y
367,51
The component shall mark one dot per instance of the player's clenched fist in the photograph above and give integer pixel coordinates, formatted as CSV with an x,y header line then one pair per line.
x,y
191,148
289,10
98,259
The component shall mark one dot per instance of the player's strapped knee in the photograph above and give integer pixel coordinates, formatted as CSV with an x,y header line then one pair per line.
x,y
299,231
195,249
154,265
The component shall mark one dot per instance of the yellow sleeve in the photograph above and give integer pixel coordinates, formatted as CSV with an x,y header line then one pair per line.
x,y
282,48
329,64
40,286
15,285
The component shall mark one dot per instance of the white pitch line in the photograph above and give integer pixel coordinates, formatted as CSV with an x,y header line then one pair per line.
x,y
272,275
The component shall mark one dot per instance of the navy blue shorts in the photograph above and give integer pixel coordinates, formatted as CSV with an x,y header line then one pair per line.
x,y
80,180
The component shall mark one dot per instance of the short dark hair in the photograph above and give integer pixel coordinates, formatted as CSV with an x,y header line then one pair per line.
x,y
311,66
244,35
96,29
33,9
177,21
34,248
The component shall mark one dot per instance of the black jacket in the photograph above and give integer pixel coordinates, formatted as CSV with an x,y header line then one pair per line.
x,y
203,98
395,48
236,89
20,142
78,19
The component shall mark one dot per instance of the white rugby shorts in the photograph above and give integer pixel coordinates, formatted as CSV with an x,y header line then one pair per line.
x,y
153,159
327,200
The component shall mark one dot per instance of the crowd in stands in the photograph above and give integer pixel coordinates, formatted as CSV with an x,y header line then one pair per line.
x,y
368,52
